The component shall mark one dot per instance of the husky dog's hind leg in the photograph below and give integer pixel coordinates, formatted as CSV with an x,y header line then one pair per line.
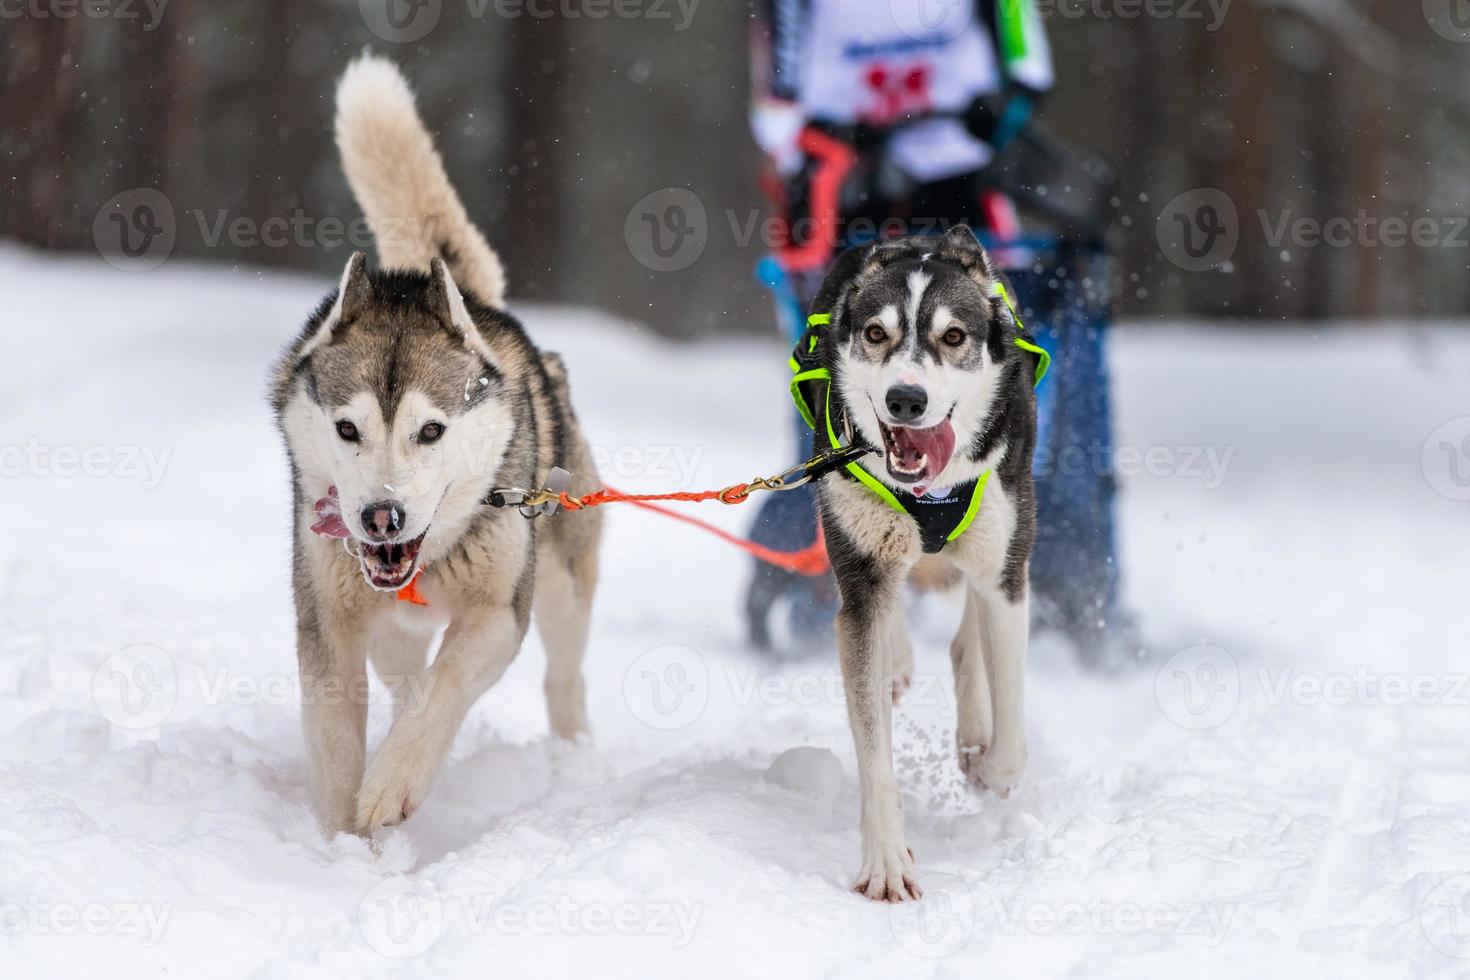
x,y
1005,631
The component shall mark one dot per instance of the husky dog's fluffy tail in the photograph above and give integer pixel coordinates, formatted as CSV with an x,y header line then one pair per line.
x,y
399,181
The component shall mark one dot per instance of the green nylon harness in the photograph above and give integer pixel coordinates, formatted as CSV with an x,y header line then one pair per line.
x,y
941,519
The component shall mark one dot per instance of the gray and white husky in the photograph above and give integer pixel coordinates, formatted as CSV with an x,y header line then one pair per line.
x,y
923,360
408,395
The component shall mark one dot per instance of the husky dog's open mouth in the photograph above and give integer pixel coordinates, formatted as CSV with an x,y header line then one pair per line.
x,y
917,456
389,566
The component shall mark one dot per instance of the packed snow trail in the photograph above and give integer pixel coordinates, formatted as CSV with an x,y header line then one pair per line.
x,y
1279,790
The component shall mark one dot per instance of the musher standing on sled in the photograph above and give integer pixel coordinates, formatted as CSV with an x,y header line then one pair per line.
x,y
886,117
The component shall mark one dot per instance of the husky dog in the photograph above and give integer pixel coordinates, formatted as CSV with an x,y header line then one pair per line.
x,y
408,395
923,360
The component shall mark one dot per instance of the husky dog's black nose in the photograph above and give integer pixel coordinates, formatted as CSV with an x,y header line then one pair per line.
x,y
906,403
384,518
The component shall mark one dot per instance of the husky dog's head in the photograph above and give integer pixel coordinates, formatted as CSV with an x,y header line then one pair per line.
x,y
391,399
921,353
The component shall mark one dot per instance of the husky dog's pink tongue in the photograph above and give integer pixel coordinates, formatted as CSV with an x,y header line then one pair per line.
x,y
918,456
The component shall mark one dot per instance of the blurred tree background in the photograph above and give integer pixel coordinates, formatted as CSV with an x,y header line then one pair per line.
x,y
554,127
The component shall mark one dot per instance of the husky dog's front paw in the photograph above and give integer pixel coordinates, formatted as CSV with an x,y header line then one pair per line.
x,y
996,769
887,874
390,794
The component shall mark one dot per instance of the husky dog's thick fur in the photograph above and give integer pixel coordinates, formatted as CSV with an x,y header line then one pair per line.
x,y
926,369
408,395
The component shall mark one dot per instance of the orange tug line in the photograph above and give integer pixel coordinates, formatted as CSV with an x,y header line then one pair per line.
x,y
811,560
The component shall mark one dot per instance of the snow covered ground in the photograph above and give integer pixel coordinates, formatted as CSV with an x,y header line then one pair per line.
x,y
1281,789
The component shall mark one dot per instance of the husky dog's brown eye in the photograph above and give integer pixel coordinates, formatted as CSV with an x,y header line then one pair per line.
x,y
954,336
347,430
431,432
875,333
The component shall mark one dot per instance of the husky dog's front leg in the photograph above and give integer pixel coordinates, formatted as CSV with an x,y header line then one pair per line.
x,y
1005,627
333,667
870,603
476,650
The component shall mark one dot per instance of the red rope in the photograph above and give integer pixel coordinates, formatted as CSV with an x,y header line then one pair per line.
x,y
730,495
811,560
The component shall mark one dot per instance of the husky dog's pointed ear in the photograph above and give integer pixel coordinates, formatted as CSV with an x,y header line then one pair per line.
x,y
354,292
959,246
447,302
840,278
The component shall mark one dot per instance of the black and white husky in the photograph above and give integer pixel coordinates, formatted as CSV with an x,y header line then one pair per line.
x,y
916,352
408,395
